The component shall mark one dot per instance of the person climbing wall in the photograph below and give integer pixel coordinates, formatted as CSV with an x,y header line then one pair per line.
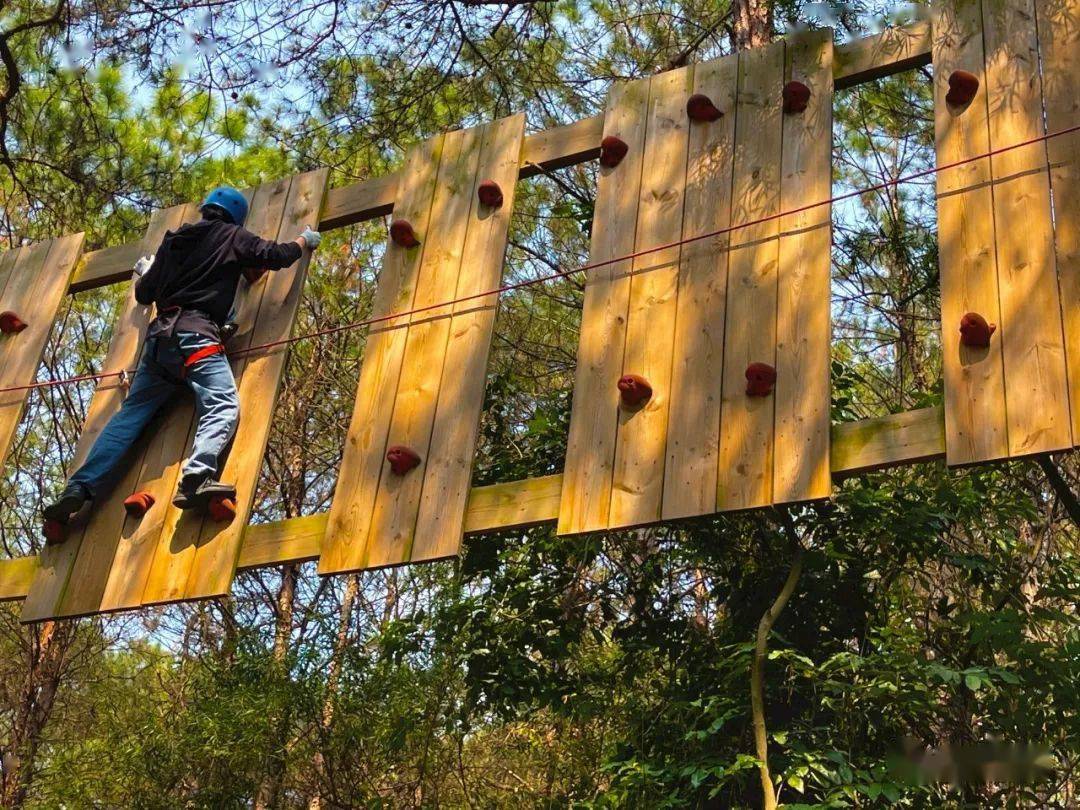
x,y
192,280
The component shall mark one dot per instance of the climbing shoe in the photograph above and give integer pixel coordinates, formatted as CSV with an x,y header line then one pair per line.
x,y
196,494
62,510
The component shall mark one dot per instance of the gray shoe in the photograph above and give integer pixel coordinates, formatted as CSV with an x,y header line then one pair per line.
x,y
70,502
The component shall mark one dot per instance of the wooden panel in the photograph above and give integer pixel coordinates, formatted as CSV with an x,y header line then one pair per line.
x,y
590,450
259,380
885,441
36,299
638,473
393,520
363,458
1036,389
1059,46
975,424
803,317
91,558
448,471
746,436
693,440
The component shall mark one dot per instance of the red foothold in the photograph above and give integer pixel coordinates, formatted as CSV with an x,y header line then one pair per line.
x,y
401,231
221,509
975,331
253,274
402,459
490,194
54,532
10,323
700,108
962,88
139,503
796,97
760,379
634,390
612,151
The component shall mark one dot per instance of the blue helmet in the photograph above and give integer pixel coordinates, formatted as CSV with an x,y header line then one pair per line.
x,y
229,200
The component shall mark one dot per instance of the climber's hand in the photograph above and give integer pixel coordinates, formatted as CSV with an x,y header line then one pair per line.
x,y
311,238
141,266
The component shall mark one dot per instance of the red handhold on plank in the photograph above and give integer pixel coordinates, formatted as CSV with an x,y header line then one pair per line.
x,y
10,323
402,459
612,150
796,97
634,390
55,532
490,194
962,88
975,331
401,231
138,504
700,108
221,509
760,379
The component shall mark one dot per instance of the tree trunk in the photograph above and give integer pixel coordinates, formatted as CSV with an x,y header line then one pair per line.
x,y
757,678
47,654
270,787
753,26
348,600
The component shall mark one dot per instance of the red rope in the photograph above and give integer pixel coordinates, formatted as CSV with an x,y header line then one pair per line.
x,y
590,266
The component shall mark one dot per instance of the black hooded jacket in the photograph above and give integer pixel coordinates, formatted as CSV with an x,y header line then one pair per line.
x,y
198,268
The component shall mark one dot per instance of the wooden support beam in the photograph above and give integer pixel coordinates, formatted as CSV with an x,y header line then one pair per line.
x,y
864,59
857,447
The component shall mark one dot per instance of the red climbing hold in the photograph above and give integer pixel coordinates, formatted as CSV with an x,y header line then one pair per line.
x,y
139,503
612,151
401,231
10,323
760,379
402,459
796,97
975,331
55,532
962,88
490,194
700,108
634,390
221,509
253,274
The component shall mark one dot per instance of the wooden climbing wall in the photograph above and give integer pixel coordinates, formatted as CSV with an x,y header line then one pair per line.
x,y
114,561
999,254
422,378
690,319
33,281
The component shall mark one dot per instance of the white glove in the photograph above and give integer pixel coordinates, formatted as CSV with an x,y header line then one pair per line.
x,y
141,266
311,238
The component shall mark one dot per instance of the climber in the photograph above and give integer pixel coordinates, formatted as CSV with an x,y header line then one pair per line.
x,y
192,280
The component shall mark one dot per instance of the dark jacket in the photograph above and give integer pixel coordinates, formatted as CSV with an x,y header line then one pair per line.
x,y
198,268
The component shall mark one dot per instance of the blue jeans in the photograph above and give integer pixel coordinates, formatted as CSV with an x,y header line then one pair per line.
x,y
159,375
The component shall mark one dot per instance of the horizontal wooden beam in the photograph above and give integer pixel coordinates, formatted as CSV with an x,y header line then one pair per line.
x,y
861,60
858,447
889,52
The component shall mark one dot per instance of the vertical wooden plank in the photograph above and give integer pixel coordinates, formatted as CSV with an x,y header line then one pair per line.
x,y
803,316
393,521
214,566
59,563
1036,388
1058,24
363,457
21,354
640,448
590,452
7,261
693,440
746,435
975,421
445,492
